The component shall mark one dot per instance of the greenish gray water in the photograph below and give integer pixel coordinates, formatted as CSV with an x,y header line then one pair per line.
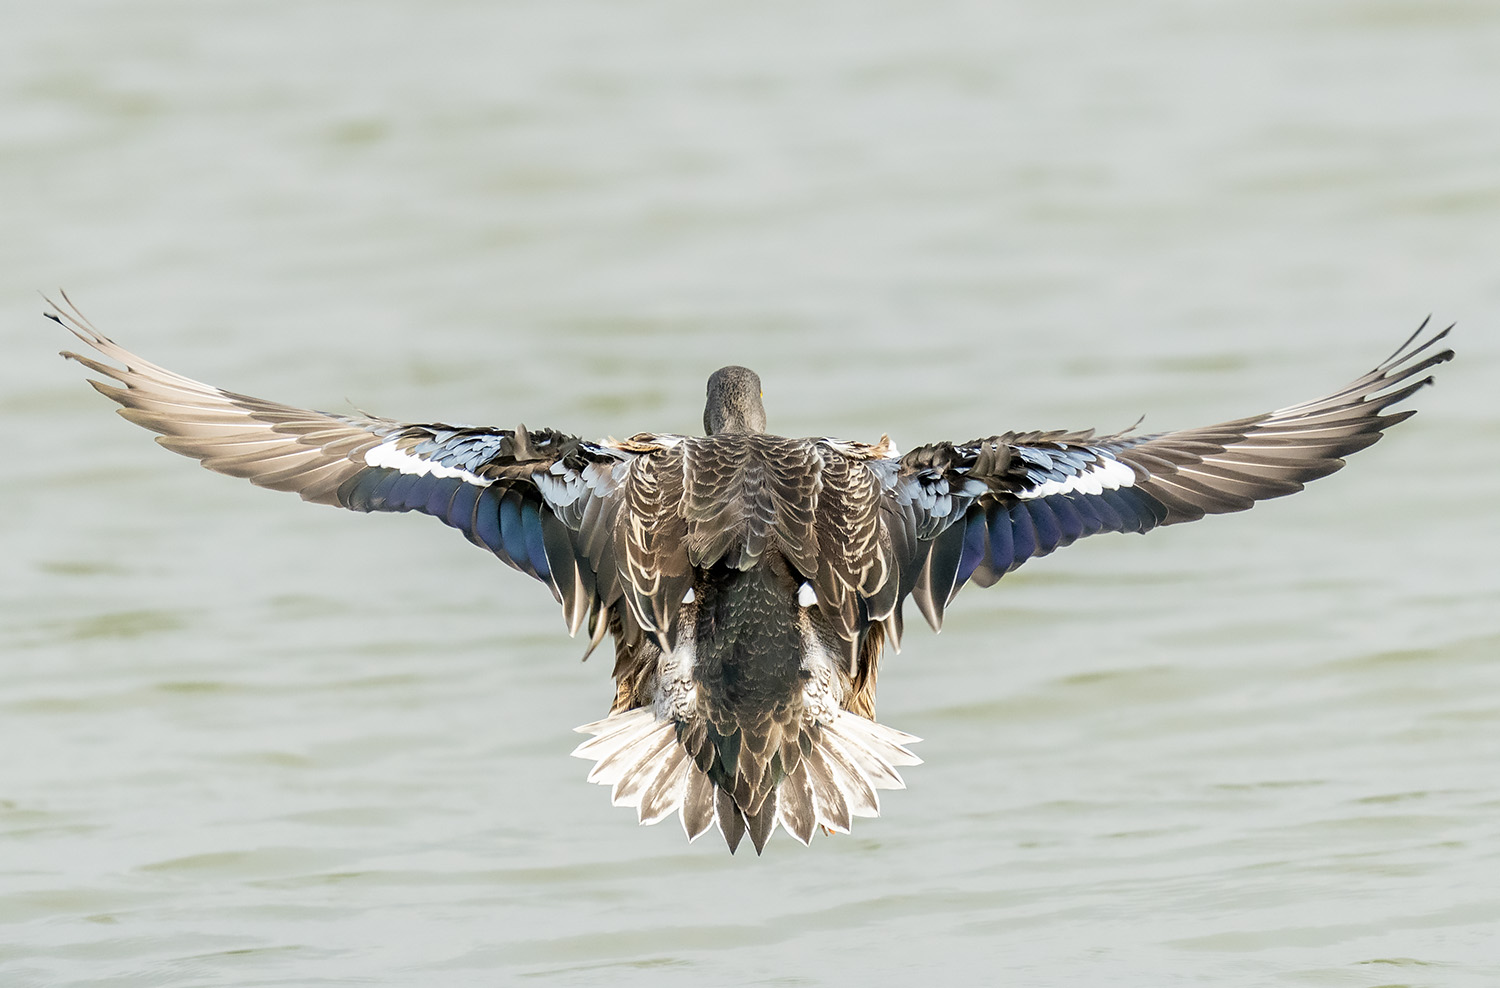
x,y
248,741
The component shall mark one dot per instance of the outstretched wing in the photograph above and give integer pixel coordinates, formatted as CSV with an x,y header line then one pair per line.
x,y
983,508
523,495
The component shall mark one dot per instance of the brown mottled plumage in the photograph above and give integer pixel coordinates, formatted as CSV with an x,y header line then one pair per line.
x,y
750,581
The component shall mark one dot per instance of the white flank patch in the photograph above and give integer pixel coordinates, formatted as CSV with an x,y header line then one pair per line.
x,y
676,694
806,595
689,597
388,456
1102,475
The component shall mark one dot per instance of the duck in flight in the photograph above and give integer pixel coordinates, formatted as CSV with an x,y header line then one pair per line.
x,y
749,581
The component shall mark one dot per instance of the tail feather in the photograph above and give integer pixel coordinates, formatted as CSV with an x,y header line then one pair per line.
x,y
731,820
836,772
791,753
614,731
665,793
605,731
886,742
799,813
828,795
762,823
854,785
623,750
875,769
697,803
652,764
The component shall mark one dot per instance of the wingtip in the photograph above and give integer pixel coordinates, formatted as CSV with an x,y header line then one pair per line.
x,y
1413,346
69,317
51,304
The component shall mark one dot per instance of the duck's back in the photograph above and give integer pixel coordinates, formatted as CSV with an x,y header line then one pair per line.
x,y
748,548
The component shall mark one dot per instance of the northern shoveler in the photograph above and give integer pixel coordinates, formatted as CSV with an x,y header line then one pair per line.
x,y
750,581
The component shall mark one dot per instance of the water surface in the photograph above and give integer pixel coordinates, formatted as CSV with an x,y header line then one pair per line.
x,y
250,741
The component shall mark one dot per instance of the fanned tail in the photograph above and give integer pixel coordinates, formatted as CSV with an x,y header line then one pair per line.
x,y
839,765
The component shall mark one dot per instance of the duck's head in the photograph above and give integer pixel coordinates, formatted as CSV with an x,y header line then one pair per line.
x,y
734,403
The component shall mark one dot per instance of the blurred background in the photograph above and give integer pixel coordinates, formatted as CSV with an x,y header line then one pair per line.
x,y
252,741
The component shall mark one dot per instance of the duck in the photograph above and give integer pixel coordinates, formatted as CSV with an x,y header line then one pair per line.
x,y
750,582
